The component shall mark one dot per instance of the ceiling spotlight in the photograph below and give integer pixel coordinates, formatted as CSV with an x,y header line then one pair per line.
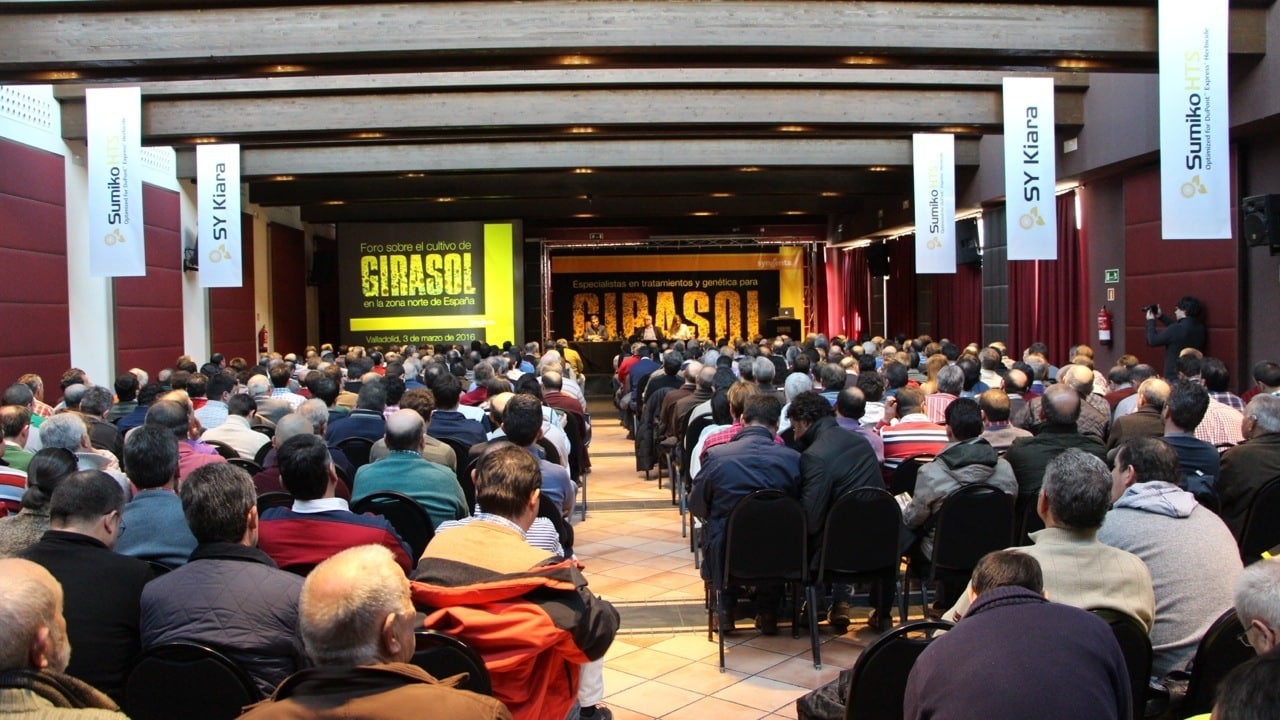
x,y
445,199
864,60
580,130
792,128
52,75
583,171
204,140
367,135
702,213
749,168
721,195
279,69
831,194
576,60
877,168
280,178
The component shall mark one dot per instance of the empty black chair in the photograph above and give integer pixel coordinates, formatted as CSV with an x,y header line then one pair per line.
x,y
357,450
189,681
248,466
1136,646
405,515
766,541
860,542
276,498
1262,523
1217,654
444,656
904,476
223,449
974,520
878,682
463,469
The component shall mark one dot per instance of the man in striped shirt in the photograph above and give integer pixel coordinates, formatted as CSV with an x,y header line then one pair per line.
x,y
908,431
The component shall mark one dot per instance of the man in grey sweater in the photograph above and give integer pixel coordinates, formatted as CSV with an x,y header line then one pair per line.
x,y
1191,554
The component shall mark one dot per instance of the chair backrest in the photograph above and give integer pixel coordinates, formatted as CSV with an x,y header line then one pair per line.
x,y
189,681
766,539
223,449
1027,518
405,515
260,457
575,431
357,450
549,451
268,430
691,434
248,466
462,469
1135,644
275,498
1262,523
974,520
878,682
860,534
1218,653
444,656
547,509
904,476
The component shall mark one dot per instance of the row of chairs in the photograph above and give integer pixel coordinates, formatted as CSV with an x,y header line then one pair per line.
x,y
198,682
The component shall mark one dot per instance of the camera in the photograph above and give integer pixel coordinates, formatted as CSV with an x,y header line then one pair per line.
x,y
1151,308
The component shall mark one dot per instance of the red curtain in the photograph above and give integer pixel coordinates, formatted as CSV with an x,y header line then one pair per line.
x,y
1047,297
831,310
900,294
957,305
857,276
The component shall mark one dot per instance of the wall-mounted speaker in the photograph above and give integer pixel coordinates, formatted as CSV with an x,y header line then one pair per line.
x,y
968,251
1260,220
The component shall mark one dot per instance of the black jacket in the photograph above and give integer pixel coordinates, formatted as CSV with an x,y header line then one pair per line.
x,y
1184,333
833,462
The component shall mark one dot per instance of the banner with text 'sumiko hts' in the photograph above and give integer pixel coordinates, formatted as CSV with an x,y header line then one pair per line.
x,y
218,203
1030,169
934,161
114,123
1195,127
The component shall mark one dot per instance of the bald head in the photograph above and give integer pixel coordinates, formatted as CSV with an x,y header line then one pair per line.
x,y
292,425
552,380
405,430
33,633
1016,381
355,609
1154,393
692,370
1077,377
1061,405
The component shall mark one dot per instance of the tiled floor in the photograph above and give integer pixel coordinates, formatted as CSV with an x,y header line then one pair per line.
x,y
661,665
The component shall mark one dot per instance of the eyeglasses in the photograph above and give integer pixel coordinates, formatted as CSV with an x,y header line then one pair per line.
x,y
1244,639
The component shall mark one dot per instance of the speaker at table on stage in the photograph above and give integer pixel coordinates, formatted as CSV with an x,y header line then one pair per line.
x,y
1260,220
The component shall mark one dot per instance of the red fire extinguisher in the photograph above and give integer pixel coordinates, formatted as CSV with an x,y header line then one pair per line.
x,y
262,339
1104,326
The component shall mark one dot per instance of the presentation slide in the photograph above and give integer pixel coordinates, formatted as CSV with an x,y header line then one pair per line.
x,y
430,283
722,296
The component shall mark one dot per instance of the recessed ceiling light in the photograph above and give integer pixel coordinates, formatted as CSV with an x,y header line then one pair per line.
x,y
204,140
864,60
831,194
56,75
280,178
721,195
334,202
367,135
580,130
584,215
413,175
792,128
444,199
576,60
702,213
794,212
749,168
583,171
285,68
878,168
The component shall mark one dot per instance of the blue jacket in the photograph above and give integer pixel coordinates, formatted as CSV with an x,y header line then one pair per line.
x,y
360,423
750,461
153,527
456,426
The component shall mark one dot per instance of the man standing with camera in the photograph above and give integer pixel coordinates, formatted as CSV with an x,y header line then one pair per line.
x,y
1184,330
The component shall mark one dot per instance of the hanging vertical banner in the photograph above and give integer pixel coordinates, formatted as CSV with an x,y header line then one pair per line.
x,y
934,159
218,201
1195,128
114,122
1030,169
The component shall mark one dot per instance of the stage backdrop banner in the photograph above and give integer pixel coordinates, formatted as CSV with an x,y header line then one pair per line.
x,y
218,213
114,122
722,296
1195,128
1030,169
934,161
429,283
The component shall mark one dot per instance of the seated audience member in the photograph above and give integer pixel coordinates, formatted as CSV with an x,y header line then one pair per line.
x,y
1078,569
270,409
1017,655
996,428
1251,464
358,625
851,409
1016,382
126,400
950,386
522,425
404,470
1217,380
230,596
909,431
871,385
102,588
366,420
15,425
318,525
214,412
94,407
447,422
1059,409
750,461
1148,419
35,651
175,415
291,425
153,526
964,460
48,468
1191,554
1197,459
1251,691
236,429
422,402
1257,603
474,579
147,395
1221,425
67,430
325,385
280,376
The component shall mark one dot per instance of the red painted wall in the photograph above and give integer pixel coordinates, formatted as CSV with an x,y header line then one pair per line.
x,y
34,322
232,317
1160,271
288,289
149,309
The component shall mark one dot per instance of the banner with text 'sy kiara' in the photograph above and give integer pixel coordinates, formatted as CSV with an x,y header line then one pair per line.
x,y
430,283
718,296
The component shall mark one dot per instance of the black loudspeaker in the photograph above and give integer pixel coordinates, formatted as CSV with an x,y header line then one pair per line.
x,y
878,260
967,250
1260,220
